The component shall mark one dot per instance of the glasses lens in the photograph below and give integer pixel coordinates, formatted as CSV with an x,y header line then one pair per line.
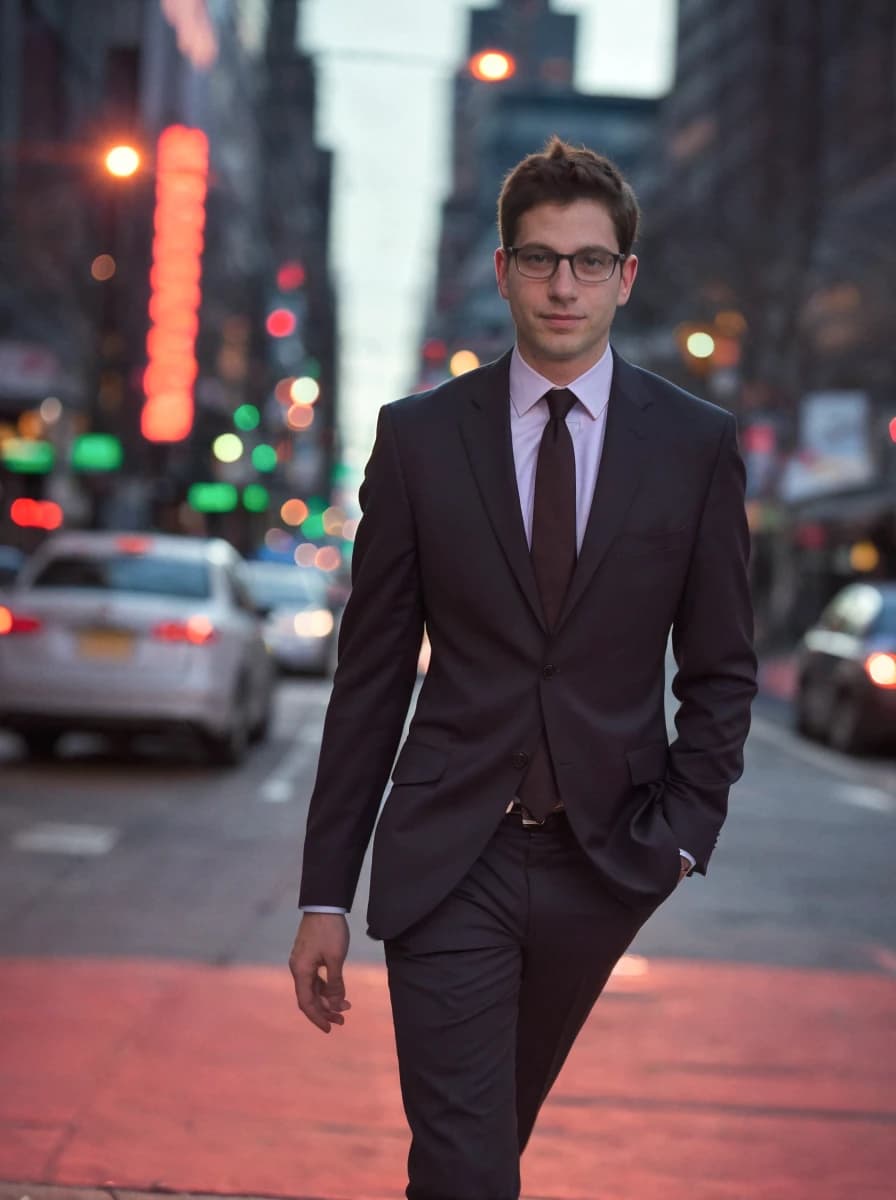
x,y
594,266
535,262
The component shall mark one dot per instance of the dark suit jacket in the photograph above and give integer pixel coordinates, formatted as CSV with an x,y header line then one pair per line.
x,y
442,541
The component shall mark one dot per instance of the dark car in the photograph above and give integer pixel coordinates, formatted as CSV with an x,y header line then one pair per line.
x,y
846,670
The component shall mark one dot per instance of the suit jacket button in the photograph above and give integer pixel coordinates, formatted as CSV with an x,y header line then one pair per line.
x,y
521,760
549,670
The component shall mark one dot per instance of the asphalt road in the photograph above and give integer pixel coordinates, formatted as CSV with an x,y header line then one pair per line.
x,y
151,854
149,1038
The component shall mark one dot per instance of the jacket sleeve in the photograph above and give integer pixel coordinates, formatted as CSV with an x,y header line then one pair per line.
x,y
715,681
379,643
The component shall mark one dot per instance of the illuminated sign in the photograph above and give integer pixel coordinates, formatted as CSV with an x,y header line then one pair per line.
x,y
181,186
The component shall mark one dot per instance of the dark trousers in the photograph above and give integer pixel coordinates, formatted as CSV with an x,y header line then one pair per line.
x,y
488,994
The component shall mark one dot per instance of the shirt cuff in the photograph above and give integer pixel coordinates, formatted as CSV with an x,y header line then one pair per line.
x,y
689,857
323,908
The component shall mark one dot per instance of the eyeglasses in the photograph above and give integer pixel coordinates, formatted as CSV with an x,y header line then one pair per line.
x,y
592,265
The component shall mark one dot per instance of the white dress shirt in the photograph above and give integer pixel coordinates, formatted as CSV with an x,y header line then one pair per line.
x,y
587,424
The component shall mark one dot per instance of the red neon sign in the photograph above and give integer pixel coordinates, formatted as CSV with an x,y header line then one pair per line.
x,y
181,185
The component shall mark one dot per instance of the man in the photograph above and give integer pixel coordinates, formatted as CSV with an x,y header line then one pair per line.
x,y
551,517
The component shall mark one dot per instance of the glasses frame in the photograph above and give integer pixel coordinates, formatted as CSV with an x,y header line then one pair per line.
x,y
618,257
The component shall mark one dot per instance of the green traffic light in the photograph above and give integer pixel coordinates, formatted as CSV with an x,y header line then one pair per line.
x,y
24,456
256,498
97,452
264,457
247,417
212,497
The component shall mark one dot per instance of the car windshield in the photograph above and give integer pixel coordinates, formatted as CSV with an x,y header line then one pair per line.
x,y
143,574
285,587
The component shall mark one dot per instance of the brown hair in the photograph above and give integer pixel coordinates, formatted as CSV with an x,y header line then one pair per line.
x,y
560,174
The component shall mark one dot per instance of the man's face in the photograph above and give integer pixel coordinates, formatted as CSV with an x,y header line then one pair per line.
x,y
563,325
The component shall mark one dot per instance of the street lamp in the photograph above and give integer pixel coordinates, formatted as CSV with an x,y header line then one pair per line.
x,y
492,66
122,161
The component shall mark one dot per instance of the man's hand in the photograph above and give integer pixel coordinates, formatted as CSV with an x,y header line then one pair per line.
x,y
685,867
322,941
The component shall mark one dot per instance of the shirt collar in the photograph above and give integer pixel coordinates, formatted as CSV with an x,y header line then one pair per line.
x,y
592,389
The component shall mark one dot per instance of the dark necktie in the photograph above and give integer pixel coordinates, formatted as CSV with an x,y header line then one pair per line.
x,y
553,559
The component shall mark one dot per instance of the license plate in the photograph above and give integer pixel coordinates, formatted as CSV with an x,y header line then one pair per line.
x,y
114,644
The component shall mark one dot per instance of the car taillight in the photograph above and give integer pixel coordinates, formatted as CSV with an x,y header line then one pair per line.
x,y
12,622
197,631
881,669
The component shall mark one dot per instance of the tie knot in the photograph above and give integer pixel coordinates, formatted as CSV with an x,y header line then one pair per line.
x,y
560,401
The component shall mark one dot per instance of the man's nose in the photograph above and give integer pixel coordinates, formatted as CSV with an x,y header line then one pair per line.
x,y
563,283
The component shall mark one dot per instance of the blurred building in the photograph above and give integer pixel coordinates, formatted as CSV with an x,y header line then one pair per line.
x,y
771,230
77,335
495,124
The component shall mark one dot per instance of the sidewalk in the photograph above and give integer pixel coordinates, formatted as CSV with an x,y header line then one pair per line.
x,y
724,1081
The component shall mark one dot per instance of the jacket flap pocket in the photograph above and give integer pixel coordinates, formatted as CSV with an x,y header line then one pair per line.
x,y
419,763
647,763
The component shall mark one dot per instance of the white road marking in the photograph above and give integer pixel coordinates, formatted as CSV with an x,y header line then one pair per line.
x,y
48,837
866,797
280,785
858,792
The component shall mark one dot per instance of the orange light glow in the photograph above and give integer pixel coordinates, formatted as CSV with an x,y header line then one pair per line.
x,y
881,669
300,417
102,267
294,512
5,620
492,66
179,222
122,161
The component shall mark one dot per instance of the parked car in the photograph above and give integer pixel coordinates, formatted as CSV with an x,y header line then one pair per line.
x,y
134,633
299,622
11,560
846,670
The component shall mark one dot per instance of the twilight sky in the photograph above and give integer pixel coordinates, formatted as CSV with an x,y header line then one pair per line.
x,y
384,108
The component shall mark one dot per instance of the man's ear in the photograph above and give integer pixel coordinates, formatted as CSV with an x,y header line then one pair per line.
x,y
502,261
628,271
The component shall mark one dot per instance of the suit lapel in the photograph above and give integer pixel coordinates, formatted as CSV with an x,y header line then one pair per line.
x,y
485,428
619,476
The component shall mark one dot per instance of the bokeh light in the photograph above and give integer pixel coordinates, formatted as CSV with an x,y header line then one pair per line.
x,y
227,448
103,267
463,361
299,417
293,512
304,390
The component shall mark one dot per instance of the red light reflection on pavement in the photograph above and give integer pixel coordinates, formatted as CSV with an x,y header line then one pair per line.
x,y
742,1080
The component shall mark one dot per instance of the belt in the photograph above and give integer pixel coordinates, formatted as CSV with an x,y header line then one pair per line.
x,y
517,811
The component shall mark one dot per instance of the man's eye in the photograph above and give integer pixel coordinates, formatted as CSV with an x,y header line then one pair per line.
x,y
596,261
535,257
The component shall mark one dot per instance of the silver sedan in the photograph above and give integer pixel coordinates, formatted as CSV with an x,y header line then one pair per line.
x,y
134,633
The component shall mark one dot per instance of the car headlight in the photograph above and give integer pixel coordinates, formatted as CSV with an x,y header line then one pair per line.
x,y
315,623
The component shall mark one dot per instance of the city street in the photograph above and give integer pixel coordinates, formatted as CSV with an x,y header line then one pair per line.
x,y
150,1039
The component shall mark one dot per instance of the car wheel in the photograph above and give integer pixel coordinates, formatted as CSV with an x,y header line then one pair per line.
x,y
808,717
260,731
845,725
41,743
228,749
